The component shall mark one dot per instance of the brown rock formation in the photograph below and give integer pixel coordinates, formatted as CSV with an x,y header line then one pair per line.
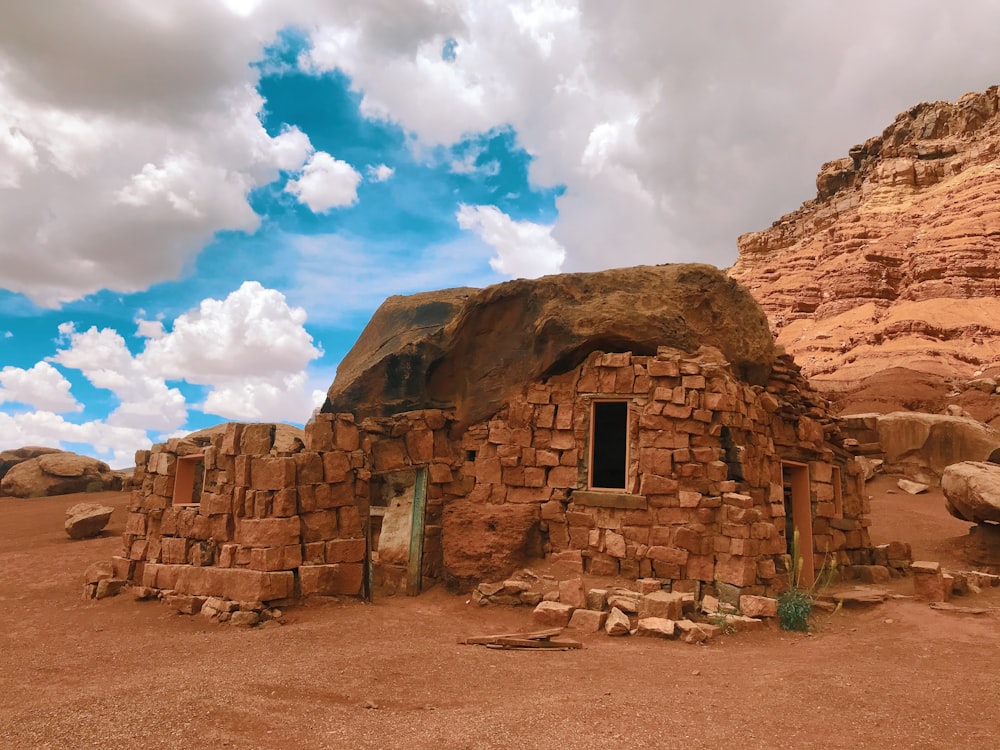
x,y
58,473
895,263
472,349
11,458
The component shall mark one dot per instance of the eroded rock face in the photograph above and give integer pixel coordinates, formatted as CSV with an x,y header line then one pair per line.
x,y
923,446
58,473
972,491
471,349
895,263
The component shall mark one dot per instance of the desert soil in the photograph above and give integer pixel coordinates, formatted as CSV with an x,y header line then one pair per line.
x,y
121,673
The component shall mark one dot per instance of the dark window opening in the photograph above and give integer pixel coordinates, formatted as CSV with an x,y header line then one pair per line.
x,y
733,456
609,445
470,455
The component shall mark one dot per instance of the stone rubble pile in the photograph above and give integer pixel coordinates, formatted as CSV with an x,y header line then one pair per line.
x,y
647,610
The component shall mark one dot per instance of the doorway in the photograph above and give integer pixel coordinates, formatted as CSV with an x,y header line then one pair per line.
x,y
798,518
397,503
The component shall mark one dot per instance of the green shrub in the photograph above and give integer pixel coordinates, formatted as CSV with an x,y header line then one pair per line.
x,y
795,605
795,610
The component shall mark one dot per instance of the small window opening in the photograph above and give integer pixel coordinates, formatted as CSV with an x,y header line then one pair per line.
x,y
189,480
838,493
470,455
609,445
732,455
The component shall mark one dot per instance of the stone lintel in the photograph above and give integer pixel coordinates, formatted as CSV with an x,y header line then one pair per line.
x,y
595,499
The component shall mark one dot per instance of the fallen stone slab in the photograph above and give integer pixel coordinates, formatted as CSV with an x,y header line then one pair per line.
x,y
913,488
85,520
860,597
696,632
662,604
553,614
627,604
955,610
587,620
656,627
758,606
617,623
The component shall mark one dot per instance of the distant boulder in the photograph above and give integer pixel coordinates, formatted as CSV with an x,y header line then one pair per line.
x,y
85,520
972,491
921,446
58,473
11,458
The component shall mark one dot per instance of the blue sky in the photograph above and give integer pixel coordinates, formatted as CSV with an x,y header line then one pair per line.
x,y
203,203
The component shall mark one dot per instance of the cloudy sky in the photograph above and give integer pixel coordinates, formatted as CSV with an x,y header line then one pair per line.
x,y
202,201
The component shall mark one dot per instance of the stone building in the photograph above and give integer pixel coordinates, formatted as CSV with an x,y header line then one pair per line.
x,y
632,423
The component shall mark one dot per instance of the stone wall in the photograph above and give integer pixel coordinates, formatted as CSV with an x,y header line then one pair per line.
x,y
703,497
271,525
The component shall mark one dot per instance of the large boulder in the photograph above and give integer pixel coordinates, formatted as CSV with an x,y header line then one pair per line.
x,y
58,473
972,491
923,445
473,349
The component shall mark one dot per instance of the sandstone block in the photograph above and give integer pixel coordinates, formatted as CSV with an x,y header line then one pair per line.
x,y
597,599
345,550
617,623
571,592
319,526
928,582
339,579
735,570
268,532
648,585
309,468
695,632
662,604
256,439
272,472
288,557
552,614
173,550
872,573
240,584
656,627
758,606
587,620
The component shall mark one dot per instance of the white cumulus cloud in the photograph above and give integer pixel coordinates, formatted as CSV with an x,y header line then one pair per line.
x,y
41,387
116,175
379,172
523,249
325,183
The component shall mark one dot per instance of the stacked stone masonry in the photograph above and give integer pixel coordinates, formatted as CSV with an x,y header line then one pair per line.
x,y
703,501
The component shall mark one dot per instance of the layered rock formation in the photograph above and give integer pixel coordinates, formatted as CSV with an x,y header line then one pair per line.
x,y
471,349
894,264
58,473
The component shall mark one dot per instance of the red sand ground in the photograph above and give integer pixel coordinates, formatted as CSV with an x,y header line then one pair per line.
x,y
120,673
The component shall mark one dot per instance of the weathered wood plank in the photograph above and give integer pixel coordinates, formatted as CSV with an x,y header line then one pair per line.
x,y
482,640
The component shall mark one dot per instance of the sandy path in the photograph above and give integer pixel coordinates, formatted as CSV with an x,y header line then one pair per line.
x,y
118,673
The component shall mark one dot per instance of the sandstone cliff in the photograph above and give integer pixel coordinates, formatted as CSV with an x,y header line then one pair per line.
x,y
894,265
